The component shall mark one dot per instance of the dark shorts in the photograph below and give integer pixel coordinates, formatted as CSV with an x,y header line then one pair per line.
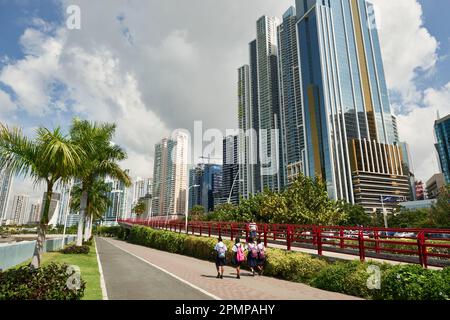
x,y
235,262
261,262
220,262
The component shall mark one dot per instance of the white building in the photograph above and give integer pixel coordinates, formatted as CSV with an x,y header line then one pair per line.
x,y
19,207
6,179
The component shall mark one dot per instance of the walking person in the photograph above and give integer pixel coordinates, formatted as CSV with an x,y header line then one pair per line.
x,y
253,228
239,256
221,250
261,256
252,258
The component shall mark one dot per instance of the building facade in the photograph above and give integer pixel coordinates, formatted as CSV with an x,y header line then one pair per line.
x,y
6,179
442,132
35,213
292,131
230,170
19,209
170,177
435,185
350,139
118,196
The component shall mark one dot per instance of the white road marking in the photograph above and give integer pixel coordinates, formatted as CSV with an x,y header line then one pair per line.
x,y
167,272
102,279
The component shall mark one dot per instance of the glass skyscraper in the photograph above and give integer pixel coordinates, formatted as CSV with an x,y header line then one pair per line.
x,y
349,132
442,131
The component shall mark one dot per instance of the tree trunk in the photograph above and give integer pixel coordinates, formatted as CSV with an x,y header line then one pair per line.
x,y
83,206
42,229
86,228
90,227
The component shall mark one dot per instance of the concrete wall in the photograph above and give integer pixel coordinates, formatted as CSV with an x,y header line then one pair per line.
x,y
12,254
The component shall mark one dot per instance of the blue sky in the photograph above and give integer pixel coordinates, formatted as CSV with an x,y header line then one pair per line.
x,y
153,67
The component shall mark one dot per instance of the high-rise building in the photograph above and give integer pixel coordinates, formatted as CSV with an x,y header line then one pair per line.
x,y
64,209
54,209
19,209
442,132
230,170
170,177
195,179
247,137
118,197
6,178
349,132
269,104
210,186
35,213
435,185
292,135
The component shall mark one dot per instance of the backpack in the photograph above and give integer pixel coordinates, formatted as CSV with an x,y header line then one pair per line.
x,y
254,252
240,254
261,254
221,252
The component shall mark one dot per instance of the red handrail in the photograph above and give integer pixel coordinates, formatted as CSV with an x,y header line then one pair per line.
x,y
383,243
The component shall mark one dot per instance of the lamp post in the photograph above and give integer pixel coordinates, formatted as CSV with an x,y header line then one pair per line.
x,y
187,205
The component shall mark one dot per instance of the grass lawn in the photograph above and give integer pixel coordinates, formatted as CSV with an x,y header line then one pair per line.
x,y
88,266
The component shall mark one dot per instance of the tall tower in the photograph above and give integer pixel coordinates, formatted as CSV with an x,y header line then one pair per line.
x,y
292,135
118,197
230,170
349,131
6,178
268,104
170,176
442,132
19,207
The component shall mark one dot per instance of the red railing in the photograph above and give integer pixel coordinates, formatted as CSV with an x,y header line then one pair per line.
x,y
423,246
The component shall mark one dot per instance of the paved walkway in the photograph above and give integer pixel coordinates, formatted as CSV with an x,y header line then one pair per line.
x,y
127,276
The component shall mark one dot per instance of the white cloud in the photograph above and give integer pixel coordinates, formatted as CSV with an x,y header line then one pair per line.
x,y
407,46
6,104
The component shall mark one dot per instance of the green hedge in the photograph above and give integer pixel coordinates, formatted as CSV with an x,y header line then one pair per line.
x,y
45,283
73,249
400,282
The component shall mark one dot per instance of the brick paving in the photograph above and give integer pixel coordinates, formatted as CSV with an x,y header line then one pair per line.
x,y
203,275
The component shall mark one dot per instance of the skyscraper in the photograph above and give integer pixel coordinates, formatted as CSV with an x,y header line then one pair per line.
x,y
268,104
170,176
54,209
139,189
5,189
118,197
230,170
349,132
247,138
292,135
35,213
442,132
195,179
19,207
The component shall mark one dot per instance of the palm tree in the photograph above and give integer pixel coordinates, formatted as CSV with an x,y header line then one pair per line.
x,y
101,160
51,158
97,204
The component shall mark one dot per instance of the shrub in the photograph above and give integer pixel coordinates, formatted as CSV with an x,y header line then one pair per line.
x,y
45,283
73,249
412,282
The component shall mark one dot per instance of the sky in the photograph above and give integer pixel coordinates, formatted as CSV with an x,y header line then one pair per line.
x,y
159,65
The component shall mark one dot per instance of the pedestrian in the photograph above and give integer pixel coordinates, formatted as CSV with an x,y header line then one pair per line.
x,y
252,258
239,256
261,256
253,227
221,251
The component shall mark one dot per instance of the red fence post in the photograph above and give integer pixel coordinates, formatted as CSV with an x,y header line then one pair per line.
x,y
318,235
422,249
362,255
231,232
275,233
341,235
209,229
377,241
246,231
220,230
201,227
265,235
288,238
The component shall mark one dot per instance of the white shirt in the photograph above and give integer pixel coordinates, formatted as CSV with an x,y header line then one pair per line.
x,y
236,246
261,247
220,245
252,226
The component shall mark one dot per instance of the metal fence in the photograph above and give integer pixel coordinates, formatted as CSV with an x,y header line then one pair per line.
x,y
427,247
12,254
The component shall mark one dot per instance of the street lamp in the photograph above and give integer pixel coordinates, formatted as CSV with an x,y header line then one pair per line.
x,y
187,205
